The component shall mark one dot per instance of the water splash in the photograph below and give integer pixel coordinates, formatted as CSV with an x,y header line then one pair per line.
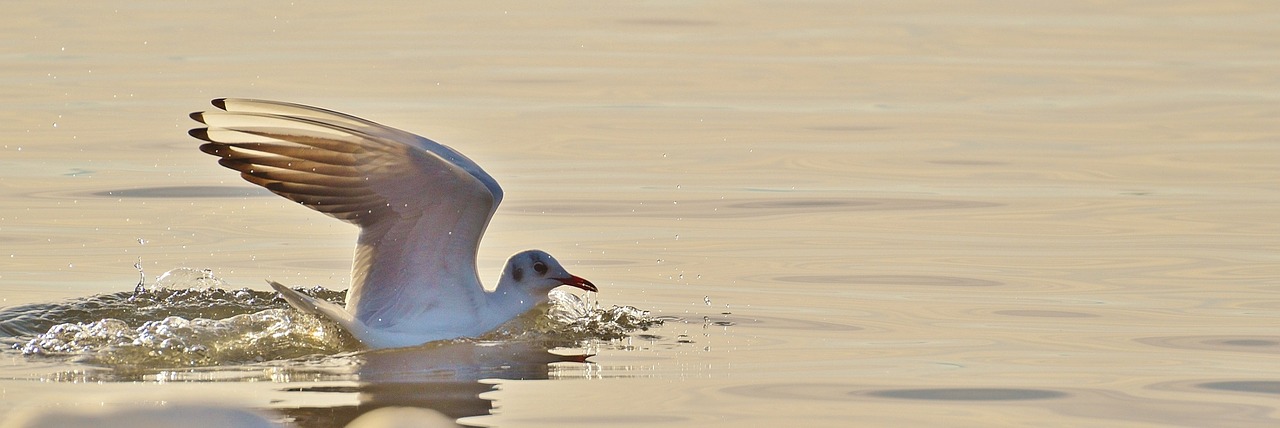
x,y
569,319
142,276
184,277
175,341
188,319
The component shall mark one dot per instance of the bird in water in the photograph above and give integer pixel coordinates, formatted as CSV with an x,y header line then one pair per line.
x,y
421,207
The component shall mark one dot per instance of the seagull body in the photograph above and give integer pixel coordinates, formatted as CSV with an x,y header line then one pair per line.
x,y
421,207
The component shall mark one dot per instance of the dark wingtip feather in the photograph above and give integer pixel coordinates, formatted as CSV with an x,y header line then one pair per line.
x,y
200,133
215,149
220,103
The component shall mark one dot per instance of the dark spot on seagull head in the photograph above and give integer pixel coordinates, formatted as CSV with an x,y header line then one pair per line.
x,y
547,273
537,260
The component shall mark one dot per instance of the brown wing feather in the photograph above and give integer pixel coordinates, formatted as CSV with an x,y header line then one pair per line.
x,y
421,206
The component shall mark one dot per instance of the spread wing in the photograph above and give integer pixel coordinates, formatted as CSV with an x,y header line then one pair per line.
x,y
421,206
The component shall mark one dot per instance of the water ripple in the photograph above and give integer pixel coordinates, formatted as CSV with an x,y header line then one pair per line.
x,y
739,208
1254,386
184,192
922,280
1258,344
969,394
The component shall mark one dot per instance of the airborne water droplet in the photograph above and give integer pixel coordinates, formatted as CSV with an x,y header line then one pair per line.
x,y
142,278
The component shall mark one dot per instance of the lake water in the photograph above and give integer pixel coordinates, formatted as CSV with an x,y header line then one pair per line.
x,y
971,213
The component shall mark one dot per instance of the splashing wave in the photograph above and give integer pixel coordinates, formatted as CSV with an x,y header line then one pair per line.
x,y
205,325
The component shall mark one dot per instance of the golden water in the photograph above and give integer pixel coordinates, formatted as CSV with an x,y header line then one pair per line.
x,y
971,213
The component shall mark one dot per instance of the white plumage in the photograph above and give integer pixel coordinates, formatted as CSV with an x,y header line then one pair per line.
x,y
421,207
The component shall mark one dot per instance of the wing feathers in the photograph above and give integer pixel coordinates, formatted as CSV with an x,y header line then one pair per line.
x,y
241,160
246,150
304,177
421,206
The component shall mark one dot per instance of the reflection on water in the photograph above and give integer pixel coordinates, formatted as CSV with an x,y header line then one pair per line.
x,y
445,377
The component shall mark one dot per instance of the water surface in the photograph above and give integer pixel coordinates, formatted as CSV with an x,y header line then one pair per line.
x,y
857,214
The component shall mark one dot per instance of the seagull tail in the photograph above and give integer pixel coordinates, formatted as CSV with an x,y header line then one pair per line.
x,y
311,305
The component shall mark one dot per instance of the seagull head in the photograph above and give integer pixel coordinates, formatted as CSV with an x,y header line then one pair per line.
x,y
538,271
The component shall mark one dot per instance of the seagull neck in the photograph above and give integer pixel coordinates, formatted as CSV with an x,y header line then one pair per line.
x,y
508,301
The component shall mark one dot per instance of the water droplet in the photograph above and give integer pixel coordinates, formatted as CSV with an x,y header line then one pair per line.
x,y
707,300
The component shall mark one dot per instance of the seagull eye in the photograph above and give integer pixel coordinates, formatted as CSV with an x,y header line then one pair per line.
x,y
540,267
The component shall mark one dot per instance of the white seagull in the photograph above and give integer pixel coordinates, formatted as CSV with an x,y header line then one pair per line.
x,y
421,208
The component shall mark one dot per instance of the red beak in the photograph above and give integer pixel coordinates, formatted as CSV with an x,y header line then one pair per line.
x,y
578,282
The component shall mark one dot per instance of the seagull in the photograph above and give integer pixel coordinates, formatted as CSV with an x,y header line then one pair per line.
x,y
421,207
